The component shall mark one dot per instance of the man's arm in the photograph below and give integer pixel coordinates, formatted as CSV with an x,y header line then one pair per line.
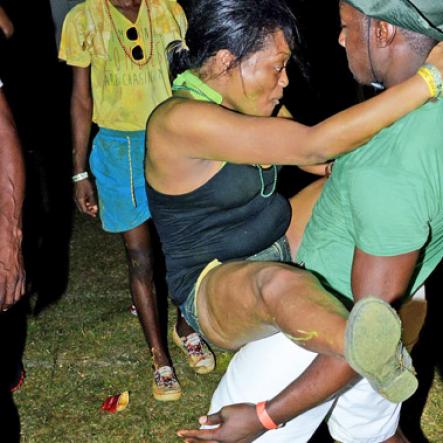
x,y
81,122
12,183
387,278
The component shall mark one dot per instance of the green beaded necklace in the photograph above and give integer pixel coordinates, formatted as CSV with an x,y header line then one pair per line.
x,y
274,183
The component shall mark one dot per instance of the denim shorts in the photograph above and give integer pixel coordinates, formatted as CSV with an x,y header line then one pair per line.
x,y
118,163
277,252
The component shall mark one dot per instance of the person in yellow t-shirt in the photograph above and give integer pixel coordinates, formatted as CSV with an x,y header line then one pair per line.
x,y
117,49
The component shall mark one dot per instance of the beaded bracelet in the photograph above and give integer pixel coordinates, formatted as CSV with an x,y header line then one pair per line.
x,y
79,177
432,76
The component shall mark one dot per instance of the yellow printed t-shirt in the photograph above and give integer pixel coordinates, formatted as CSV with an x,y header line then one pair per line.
x,y
124,94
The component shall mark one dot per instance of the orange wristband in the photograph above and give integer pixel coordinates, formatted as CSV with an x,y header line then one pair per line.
x,y
263,416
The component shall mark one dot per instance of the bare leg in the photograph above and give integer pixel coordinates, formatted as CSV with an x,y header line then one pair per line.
x,y
243,301
140,260
182,327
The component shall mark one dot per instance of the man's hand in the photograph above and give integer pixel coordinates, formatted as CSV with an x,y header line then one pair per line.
x,y
5,24
235,424
84,197
12,274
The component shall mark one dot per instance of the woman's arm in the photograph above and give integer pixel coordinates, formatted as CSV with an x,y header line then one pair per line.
x,y
322,169
204,131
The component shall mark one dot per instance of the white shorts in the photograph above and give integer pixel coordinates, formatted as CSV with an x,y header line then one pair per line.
x,y
256,373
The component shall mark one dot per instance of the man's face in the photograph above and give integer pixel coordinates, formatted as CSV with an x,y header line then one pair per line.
x,y
354,38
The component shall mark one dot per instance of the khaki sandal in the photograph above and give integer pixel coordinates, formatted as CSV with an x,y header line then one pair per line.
x,y
373,348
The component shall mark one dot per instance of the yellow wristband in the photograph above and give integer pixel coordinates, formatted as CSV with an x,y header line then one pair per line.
x,y
431,75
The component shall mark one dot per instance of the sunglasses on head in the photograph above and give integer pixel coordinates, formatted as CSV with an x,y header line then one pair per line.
x,y
137,51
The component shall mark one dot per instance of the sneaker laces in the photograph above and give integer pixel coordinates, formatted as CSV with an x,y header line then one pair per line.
x,y
165,377
193,345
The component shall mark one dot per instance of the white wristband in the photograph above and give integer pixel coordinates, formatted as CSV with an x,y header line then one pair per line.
x,y
79,177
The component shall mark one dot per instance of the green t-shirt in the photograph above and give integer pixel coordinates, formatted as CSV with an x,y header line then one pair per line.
x,y
386,199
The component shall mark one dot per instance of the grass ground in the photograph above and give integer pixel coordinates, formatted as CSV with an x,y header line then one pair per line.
x,y
88,347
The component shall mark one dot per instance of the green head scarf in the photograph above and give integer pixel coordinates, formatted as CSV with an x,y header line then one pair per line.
x,y
421,16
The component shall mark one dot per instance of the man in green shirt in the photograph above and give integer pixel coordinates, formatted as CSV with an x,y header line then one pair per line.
x,y
380,216
377,229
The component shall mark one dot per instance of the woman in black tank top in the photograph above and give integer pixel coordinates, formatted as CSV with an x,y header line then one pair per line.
x,y
225,232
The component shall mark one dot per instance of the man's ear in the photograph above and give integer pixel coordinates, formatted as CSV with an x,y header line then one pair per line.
x,y
384,33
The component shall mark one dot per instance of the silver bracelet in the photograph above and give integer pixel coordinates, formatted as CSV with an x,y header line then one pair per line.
x,y
79,177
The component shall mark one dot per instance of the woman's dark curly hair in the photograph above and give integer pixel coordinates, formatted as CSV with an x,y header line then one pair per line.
x,y
240,26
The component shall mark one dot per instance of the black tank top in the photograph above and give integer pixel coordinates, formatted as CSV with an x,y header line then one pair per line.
x,y
232,216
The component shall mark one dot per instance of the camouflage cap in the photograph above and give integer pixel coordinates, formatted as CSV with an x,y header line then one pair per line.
x,y
421,16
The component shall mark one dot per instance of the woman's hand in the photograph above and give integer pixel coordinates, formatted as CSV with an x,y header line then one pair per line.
x,y
235,424
436,57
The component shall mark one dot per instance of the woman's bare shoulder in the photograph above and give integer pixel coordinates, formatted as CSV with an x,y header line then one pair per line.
x,y
172,124
182,116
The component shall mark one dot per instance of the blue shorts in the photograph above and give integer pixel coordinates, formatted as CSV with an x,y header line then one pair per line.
x,y
277,252
118,163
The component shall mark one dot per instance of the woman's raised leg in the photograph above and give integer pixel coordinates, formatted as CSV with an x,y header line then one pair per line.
x,y
243,301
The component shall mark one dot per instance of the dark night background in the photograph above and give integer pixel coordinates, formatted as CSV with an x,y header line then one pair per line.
x,y
38,89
